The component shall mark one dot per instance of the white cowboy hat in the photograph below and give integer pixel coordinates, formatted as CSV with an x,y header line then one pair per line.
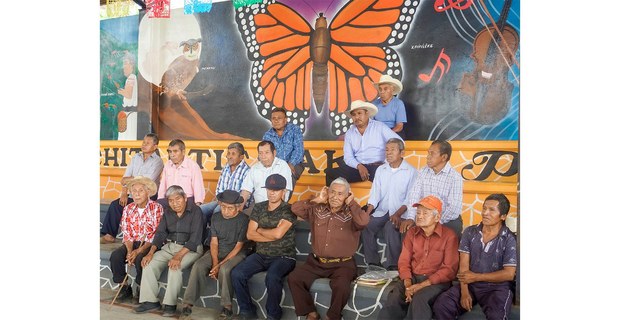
x,y
150,186
359,104
386,78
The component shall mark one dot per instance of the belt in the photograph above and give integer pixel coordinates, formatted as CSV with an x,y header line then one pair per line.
x,y
177,242
331,260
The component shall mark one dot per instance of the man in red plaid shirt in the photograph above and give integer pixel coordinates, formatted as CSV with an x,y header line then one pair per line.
x,y
138,224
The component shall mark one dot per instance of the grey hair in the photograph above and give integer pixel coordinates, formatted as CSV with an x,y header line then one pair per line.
x,y
343,182
238,146
174,190
400,143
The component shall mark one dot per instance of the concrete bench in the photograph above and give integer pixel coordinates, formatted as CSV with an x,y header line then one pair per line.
x,y
365,301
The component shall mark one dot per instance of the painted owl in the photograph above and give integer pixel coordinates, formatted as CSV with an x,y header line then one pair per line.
x,y
182,70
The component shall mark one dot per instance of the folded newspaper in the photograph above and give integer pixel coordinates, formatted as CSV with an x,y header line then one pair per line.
x,y
375,276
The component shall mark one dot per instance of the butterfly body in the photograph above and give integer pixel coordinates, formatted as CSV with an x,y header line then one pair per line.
x,y
332,64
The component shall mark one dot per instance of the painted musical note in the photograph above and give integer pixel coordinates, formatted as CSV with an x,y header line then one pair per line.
x,y
444,68
452,4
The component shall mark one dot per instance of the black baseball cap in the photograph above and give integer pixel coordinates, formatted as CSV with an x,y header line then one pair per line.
x,y
275,182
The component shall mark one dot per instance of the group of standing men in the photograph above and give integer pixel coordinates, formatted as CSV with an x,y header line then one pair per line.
x,y
419,213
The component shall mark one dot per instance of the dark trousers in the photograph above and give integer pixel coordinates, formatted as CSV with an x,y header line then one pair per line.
x,y
350,174
420,305
495,300
277,268
456,225
117,263
393,242
112,219
340,275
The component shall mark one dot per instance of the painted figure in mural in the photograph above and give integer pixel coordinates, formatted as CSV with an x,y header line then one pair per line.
x,y
178,244
427,265
272,227
387,203
364,145
139,222
146,163
332,252
183,171
182,70
331,64
289,141
487,267
391,109
440,179
227,242
253,186
177,117
231,178
128,121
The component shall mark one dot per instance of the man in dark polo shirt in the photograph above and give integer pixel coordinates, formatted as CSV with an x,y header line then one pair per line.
x,y
271,226
336,221
427,265
488,263
179,240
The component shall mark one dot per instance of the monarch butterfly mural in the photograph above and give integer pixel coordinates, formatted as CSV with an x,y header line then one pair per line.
x,y
296,66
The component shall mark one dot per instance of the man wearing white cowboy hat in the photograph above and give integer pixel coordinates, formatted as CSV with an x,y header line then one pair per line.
x,y
391,109
364,145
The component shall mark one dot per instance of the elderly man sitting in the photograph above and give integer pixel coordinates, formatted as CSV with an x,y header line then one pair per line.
x,y
178,238
336,221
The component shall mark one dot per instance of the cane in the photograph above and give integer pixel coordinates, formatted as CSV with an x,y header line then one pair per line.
x,y
124,280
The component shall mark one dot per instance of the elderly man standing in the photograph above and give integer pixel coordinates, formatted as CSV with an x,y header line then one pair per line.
x,y
138,224
336,221
488,263
226,251
288,140
426,266
272,227
438,178
178,244
391,109
268,164
364,145
181,171
147,163
387,198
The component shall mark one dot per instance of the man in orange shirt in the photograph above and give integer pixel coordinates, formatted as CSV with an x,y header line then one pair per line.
x,y
427,265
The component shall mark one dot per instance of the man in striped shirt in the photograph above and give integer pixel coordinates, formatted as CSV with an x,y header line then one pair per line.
x,y
438,178
230,178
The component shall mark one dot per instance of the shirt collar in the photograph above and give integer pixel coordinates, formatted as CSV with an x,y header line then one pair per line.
x,y
438,230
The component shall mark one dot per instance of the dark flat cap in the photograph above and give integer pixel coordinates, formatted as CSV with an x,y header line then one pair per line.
x,y
230,197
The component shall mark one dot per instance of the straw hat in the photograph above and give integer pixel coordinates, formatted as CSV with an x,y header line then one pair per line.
x,y
359,104
150,186
398,86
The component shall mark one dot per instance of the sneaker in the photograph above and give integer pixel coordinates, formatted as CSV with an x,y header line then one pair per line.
x,y
125,293
186,313
169,311
147,306
392,268
226,313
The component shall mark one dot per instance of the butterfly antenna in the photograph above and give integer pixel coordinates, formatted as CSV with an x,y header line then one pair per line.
x,y
330,4
310,7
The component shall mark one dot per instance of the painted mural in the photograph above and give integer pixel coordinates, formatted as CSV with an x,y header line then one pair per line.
x,y
215,75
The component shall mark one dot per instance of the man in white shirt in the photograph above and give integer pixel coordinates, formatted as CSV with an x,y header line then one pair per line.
x,y
254,183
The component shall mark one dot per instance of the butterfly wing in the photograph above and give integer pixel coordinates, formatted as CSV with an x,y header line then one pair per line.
x,y
277,40
361,35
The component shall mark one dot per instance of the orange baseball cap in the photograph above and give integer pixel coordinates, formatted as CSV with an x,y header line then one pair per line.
x,y
430,202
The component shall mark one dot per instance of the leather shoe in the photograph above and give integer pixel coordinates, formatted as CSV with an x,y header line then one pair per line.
x,y
147,306
107,239
169,311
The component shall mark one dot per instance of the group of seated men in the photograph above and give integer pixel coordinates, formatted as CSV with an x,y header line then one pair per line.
x,y
249,228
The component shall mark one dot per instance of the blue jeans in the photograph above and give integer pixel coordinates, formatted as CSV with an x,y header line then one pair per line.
x,y
277,268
